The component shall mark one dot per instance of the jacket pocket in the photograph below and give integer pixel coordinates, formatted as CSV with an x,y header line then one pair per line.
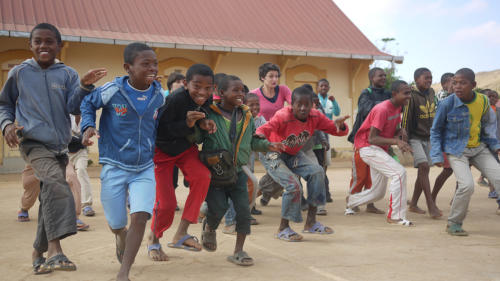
x,y
125,145
150,145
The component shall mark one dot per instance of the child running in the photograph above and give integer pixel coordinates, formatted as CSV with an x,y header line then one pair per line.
x,y
175,146
235,134
377,133
40,94
465,129
360,176
126,135
417,121
293,126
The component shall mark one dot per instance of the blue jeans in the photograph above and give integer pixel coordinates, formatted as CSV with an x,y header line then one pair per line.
x,y
286,169
230,217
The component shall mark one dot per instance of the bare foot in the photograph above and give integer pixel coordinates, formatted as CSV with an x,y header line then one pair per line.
x,y
414,209
370,208
155,252
120,244
121,277
435,213
189,242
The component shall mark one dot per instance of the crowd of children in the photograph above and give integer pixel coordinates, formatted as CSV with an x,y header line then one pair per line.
x,y
146,135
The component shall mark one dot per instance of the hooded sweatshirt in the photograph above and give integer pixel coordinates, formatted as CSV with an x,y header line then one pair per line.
x,y
41,101
419,114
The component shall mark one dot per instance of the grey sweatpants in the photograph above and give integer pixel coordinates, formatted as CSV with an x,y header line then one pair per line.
x,y
56,214
481,158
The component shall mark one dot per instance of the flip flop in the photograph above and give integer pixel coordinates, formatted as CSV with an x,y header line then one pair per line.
x,y
241,258
23,216
180,244
287,234
318,228
37,266
58,262
208,237
456,230
81,226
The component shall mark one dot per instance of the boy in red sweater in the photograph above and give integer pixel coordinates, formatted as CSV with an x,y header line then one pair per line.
x,y
293,126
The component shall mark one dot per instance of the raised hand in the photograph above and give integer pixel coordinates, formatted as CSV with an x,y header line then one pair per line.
x,y
193,116
92,76
11,134
89,132
339,122
208,125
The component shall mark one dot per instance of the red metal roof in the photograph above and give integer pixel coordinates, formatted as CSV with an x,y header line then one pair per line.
x,y
300,27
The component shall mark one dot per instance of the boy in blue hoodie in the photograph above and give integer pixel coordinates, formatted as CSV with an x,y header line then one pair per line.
x,y
40,94
465,129
127,132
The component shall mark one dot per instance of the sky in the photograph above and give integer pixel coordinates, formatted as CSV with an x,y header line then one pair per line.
x,y
442,35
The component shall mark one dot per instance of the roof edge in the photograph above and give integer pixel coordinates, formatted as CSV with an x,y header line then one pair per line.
x,y
169,45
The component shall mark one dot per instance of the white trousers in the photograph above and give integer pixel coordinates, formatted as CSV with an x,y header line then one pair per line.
x,y
382,167
80,161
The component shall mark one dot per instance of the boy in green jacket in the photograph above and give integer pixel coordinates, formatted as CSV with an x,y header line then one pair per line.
x,y
234,118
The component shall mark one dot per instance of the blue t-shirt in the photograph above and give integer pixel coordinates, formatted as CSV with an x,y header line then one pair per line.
x,y
139,98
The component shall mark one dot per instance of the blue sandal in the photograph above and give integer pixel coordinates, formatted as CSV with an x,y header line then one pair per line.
x,y
180,244
289,235
318,228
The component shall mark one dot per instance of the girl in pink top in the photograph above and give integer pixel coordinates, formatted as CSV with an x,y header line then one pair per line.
x,y
272,96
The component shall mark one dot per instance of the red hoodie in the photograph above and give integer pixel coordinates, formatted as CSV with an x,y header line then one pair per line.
x,y
293,133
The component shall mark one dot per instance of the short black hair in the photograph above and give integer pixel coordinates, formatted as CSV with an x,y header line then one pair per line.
x,y
372,72
224,83
309,86
199,69
174,77
396,85
132,50
301,92
485,91
467,73
446,77
50,27
245,89
494,92
266,67
251,96
218,78
419,72
323,80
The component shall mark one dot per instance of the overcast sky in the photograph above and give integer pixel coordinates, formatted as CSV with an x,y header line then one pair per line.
x,y
443,35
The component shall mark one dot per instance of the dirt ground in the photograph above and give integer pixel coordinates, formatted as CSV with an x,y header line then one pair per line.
x,y
363,247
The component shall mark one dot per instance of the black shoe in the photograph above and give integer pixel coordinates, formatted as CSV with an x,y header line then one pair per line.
x,y
255,211
329,200
264,201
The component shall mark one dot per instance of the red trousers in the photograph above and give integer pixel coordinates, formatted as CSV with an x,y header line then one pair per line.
x,y
361,177
195,173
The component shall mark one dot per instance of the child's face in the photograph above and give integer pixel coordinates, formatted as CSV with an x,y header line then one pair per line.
x,y
254,105
403,95
424,81
323,88
379,79
493,97
177,84
234,95
301,107
271,79
447,86
44,47
200,88
142,72
463,87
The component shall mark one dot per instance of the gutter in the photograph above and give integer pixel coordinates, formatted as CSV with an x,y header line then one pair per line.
x,y
84,39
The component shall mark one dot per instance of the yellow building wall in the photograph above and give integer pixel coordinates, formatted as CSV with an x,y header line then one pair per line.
x,y
347,77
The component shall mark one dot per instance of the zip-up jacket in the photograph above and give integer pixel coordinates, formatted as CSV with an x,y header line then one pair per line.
x,y
41,101
245,143
419,114
450,130
126,138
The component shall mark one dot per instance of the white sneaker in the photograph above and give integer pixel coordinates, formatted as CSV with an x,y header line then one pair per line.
x,y
349,212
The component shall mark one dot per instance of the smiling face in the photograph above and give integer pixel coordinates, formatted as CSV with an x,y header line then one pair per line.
x,y
142,72
402,96
424,81
323,88
254,105
45,47
271,79
302,106
379,79
200,88
463,87
493,97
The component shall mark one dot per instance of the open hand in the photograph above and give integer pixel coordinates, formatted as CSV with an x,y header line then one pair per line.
x,y
193,116
208,125
276,147
11,134
92,76
89,132
332,98
339,122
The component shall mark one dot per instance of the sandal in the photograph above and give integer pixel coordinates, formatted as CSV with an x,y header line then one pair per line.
x,y
58,262
318,228
180,244
208,237
81,226
23,216
321,212
37,266
402,222
456,230
88,211
241,258
289,235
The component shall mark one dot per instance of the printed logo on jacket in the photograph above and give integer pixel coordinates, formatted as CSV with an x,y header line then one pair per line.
x,y
120,109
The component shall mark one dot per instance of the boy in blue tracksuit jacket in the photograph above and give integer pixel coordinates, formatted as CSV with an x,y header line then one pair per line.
x,y
465,129
127,128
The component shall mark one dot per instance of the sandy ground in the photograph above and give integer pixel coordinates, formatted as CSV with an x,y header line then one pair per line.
x,y
363,247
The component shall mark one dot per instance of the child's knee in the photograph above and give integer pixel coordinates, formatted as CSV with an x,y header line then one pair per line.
x,y
139,218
